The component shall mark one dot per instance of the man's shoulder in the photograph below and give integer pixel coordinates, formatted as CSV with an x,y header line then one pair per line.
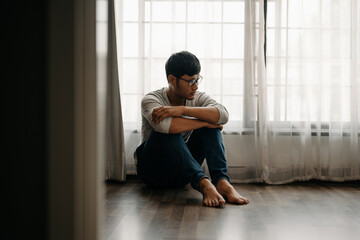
x,y
201,99
159,92
201,95
157,95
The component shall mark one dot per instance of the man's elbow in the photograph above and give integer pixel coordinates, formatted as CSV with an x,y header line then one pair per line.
x,y
163,126
224,119
223,115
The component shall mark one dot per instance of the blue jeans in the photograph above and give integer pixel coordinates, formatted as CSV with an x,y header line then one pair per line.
x,y
165,160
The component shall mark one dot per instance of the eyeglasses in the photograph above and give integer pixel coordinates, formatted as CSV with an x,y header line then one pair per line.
x,y
192,82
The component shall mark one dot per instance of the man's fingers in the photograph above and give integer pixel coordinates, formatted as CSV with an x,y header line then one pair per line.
x,y
159,114
162,116
158,109
156,113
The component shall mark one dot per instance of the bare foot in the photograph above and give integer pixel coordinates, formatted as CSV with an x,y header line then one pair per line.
x,y
229,193
211,197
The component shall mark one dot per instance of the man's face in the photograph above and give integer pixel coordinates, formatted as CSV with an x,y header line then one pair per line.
x,y
185,88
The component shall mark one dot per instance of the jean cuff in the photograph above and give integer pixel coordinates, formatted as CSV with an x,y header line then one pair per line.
x,y
214,182
196,180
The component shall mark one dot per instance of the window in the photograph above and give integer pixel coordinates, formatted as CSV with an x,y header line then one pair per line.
x,y
312,71
150,31
309,60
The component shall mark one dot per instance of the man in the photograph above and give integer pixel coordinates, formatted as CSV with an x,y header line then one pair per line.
x,y
180,128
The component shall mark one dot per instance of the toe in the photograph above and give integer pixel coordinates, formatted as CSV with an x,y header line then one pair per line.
x,y
244,201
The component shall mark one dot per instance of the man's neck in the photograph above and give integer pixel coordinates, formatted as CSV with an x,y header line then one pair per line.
x,y
173,99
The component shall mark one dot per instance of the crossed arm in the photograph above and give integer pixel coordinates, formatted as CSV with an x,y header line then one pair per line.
x,y
205,117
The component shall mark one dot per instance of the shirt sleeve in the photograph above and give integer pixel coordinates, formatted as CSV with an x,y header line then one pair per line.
x,y
148,104
205,100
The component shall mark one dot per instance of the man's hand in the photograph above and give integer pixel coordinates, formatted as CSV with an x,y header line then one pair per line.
x,y
161,113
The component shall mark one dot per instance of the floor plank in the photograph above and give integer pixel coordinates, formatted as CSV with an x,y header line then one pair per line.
x,y
308,210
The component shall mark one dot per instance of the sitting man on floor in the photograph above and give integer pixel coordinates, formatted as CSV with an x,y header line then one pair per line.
x,y
180,128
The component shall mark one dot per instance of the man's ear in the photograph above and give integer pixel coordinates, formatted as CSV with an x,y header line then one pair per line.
x,y
172,79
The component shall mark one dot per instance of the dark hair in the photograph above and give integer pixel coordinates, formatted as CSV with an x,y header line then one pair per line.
x,y
182,63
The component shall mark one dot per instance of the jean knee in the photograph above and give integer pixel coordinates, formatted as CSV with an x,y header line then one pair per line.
x,y
211,132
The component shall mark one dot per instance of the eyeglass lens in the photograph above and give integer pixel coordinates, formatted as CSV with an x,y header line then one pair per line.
x,y
197,81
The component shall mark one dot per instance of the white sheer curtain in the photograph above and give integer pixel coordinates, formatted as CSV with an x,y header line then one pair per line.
x,y
296,120
312,88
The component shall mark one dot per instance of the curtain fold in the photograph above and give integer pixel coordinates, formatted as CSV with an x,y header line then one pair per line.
x,y
252,68
262,94
355,89
115,163
312,91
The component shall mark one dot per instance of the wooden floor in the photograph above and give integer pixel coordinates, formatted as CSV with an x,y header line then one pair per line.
x,y
311,210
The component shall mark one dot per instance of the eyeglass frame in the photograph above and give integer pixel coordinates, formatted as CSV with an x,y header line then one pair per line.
x,y
192,82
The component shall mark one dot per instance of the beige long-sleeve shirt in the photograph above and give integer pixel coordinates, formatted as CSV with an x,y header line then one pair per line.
x,y
159,98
